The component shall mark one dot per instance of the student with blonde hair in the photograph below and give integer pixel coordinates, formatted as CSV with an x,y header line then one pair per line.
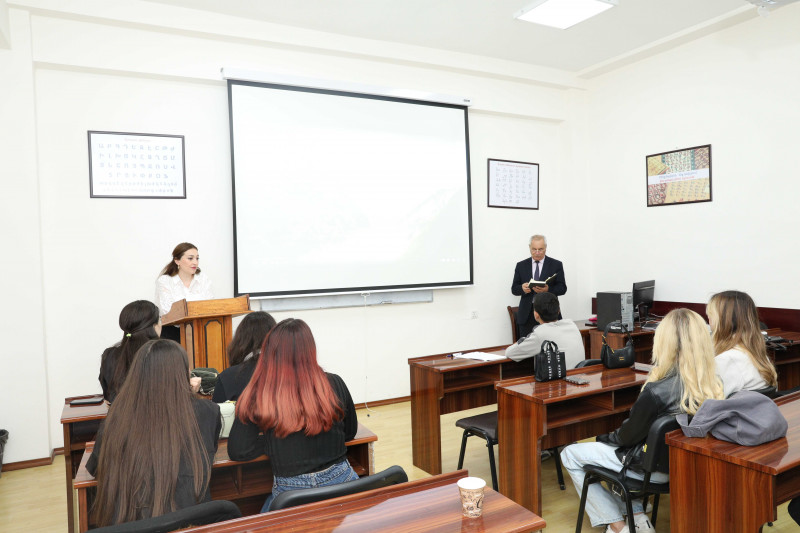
x,y
742,360
681,379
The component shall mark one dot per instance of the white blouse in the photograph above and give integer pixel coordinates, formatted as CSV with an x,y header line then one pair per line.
x,y
737,372
170,289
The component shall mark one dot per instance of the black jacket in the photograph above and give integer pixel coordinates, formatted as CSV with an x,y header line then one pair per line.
x,y
656,400
523,273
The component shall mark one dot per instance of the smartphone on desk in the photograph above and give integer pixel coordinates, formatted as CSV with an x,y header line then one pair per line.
x,y
576,380
93,400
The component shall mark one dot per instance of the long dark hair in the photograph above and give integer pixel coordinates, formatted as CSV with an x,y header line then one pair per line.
x,y
171,268
249,337
150,426
289,391
137,321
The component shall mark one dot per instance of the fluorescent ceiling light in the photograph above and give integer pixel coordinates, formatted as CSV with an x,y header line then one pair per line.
x,y
563,13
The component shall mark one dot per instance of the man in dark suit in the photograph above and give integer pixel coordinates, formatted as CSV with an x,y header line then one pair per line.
x,y
538,267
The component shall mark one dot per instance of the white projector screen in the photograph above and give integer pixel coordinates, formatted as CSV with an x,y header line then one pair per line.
x,y
337,192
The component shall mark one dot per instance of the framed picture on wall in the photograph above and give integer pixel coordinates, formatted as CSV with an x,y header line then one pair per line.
x,y
136,165
679,177
513,184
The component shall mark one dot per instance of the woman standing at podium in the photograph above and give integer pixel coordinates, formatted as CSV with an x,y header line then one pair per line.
x,y
181,279
306,414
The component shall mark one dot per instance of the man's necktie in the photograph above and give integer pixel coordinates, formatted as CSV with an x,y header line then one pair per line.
x,y
536,274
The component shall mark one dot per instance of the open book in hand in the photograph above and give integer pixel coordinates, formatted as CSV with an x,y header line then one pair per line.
x,y
540,283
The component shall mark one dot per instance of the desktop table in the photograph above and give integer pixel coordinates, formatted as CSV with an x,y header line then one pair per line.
x,y
441,384
430,504
80,424
246,483
720,486
535,416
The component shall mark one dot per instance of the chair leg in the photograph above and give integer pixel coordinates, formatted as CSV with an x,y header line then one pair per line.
x,y
559,472
587,480
629,508
655,509
490,446
463,449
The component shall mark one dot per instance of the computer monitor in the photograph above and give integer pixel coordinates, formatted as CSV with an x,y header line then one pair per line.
x,y
643,297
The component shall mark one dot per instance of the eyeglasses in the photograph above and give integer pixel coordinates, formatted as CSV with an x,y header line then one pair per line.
x,y
538,250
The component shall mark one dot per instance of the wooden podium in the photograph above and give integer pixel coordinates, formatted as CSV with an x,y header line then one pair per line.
x,y
207,328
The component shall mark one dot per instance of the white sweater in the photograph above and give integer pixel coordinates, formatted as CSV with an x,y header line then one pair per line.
x,y
737,372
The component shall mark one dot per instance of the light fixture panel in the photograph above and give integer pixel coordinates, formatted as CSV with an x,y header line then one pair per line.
x,y
563,14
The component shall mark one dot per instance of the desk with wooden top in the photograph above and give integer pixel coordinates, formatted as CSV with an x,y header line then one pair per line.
x,y
535,416
441,384
246,483
787,362
720,486
430,504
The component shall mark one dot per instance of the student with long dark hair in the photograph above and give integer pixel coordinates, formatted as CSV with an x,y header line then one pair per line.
x,y
139,322
742,360
306,414
243,354
154,451
181,279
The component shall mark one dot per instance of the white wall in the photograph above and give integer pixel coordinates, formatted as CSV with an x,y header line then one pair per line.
x,y
736,90
92,69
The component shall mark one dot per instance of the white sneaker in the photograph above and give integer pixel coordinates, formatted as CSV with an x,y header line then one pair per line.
x,y
643,524
623,530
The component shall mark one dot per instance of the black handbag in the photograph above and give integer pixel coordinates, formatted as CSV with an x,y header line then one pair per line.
x,y
621,357
549,364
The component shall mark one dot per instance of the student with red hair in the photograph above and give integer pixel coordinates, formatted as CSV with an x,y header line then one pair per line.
x,y
296,413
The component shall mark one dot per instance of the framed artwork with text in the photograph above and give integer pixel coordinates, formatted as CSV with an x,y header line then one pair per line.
x,y
679,177
513,184
136,165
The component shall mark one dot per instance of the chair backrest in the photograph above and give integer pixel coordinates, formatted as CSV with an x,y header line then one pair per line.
x,y
655,454
196,515
769,392
512,314
391,476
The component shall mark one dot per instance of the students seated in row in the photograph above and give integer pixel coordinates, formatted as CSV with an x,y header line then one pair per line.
x,y
562,332
742,360
305,413
140,323
154,451
243,353
681,379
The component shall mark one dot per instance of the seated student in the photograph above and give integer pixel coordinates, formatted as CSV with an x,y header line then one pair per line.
x,y
742,360
243,353
154,451
305,413
681,379
140,323
563,332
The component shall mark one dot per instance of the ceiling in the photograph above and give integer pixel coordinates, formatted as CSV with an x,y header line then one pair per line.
x,y
487,28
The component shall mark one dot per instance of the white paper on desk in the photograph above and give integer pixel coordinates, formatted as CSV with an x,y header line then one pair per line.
x,y
480,356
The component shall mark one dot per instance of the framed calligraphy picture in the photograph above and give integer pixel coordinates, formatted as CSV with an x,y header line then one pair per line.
x,y
513,184
136,165
679,176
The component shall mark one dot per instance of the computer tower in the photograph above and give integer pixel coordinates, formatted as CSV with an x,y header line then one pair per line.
x,y
613,306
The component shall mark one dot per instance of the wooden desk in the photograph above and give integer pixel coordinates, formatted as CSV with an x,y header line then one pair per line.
x,y
430,504
442,385
246,483
721,486
536,416
80,425
787,362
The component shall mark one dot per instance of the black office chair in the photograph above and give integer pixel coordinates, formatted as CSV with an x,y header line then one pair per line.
x,y
588,362
196,515
485,426
291,498
655,458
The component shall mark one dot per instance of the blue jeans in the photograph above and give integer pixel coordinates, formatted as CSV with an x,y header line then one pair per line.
x,y
333,475
602,506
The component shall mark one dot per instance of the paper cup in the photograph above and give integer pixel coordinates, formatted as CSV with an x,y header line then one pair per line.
x,y
471,491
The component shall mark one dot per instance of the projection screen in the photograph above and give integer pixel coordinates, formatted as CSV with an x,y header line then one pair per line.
x,y
337,192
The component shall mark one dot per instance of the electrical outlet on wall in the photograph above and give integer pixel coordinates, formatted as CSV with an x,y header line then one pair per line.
x,y
473,315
